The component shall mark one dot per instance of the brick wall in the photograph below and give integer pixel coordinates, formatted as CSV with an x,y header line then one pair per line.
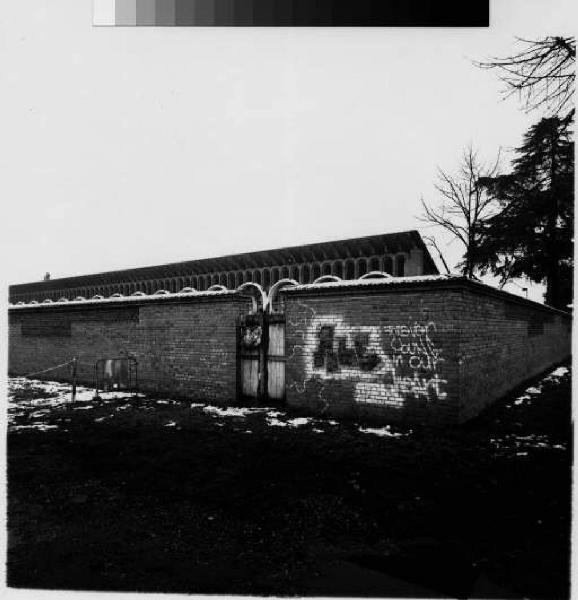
x,y
505,341
431,352
184,347
388,354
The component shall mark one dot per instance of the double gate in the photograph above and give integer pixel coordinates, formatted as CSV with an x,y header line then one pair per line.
x,y
261,357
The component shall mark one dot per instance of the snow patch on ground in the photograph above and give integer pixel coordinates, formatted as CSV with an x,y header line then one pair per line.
x,y
275,422
533,390
522,399
298,422
523,443
233,411
558,373
36,426
382,431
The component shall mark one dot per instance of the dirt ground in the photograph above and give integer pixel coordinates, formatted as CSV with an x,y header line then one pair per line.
x,y
145,494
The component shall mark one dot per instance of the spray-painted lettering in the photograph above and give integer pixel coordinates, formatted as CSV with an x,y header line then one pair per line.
x,y
388,364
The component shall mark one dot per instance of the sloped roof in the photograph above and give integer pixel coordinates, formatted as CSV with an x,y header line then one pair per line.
x,y
389,243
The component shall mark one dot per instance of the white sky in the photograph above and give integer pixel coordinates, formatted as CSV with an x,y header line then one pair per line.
x,y
126,147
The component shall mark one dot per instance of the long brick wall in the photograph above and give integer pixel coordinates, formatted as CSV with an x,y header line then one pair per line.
x,y
504,341
425,351
417,350
184,346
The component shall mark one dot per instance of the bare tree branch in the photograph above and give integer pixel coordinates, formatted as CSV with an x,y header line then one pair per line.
x,y
542,74
465,205
431,241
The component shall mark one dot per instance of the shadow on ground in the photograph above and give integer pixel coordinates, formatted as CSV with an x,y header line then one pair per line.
x,y
149,495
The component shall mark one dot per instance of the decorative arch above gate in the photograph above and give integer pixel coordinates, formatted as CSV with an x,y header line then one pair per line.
x,y
256,293
274,291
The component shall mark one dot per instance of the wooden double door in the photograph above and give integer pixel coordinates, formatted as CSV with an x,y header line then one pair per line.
x,y
261,357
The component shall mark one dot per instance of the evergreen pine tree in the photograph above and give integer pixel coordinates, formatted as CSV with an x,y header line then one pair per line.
x,y
532,234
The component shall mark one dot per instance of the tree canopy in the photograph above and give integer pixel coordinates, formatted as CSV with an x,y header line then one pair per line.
x,y
532,233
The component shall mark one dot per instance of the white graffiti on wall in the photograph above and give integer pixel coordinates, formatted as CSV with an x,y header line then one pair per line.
x,y
387,364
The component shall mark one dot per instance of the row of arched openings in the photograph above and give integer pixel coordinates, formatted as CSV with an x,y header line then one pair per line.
x,y
305,273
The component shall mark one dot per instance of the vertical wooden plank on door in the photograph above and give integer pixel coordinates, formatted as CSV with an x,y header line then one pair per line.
x,y
276,358
249,356
250,376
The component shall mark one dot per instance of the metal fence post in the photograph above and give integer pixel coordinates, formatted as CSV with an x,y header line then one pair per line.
x,y
73,393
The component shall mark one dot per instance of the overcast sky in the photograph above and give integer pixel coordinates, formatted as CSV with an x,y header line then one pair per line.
x,y
127,147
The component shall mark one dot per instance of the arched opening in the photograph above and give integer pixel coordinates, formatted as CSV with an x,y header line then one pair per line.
x,y
215,279
305,274
257,276
349,269
201,283
284,273
223,279
315,271
361,267
248,276
338,268
294,272
326,269
238,279
231,281
266,278
400,265
374,264
274,275
388,265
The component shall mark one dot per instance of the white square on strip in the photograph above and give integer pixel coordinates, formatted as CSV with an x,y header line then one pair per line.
x,y
103,14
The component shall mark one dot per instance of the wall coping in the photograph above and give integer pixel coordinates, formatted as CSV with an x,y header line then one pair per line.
x,y
178,297
418,282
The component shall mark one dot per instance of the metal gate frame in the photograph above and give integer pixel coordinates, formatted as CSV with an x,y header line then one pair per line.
x,y
132,374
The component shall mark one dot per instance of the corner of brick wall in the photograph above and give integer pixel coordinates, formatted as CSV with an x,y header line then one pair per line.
x,y
504,342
